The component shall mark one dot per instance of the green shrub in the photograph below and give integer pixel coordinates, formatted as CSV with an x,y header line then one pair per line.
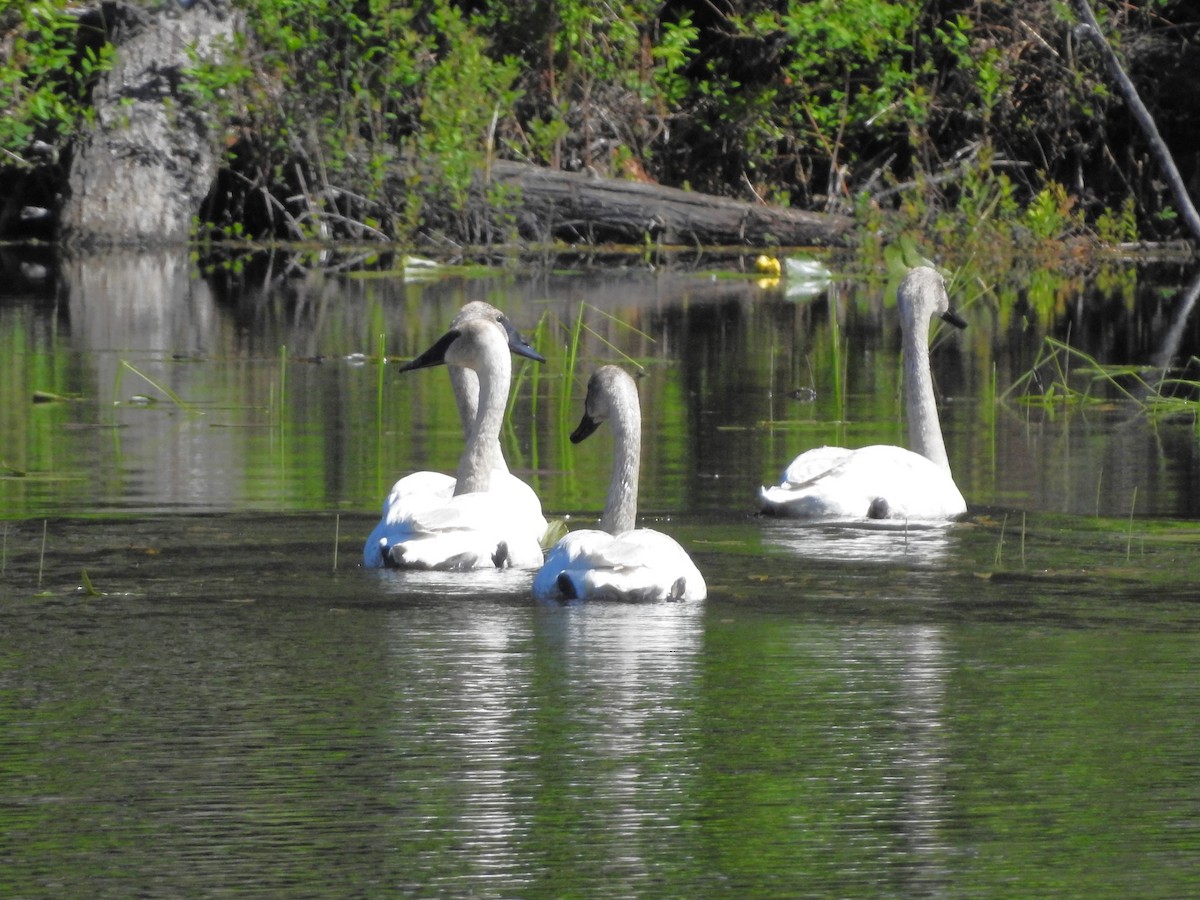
x,y
47,68
371,118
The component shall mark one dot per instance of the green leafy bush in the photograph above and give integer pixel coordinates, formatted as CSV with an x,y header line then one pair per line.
x,y
47,67
370,118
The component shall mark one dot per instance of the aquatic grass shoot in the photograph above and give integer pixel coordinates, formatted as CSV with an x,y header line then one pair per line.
x,y
282,402
42,554
379,405
1129,537
998,557
564,398
88,587
1052,379
171,395
525,370
575,334
840,369
380,380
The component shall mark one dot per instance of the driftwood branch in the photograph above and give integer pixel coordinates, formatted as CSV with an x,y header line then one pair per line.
x,y
576,206
1090,29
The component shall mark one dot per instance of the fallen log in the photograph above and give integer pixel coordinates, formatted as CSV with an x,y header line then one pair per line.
x,y
575,206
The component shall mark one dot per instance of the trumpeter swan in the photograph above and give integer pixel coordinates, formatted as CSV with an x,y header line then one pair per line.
x,y
480,517
884,481
618,562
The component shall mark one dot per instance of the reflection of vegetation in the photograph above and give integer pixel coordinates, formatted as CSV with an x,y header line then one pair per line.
x,y
300,414
1064,377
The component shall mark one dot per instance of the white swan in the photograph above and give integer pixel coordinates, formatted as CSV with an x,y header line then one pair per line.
x,y
618,562
422,490
883,481
481,517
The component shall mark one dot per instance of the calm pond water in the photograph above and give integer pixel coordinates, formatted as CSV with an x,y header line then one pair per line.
x,y
201,693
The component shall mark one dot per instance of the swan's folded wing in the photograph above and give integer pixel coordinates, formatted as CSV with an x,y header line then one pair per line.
x,y
425,526
447,550
411,494
812,464
460,513
524,509
643,547
419,490
492,511
458,548
674,578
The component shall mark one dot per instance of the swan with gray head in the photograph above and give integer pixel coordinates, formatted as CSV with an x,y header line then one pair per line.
x,y
419,490
885,481
464,381
618,561
482,516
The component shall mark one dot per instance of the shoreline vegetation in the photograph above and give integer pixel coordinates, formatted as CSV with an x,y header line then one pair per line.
x,y
978,133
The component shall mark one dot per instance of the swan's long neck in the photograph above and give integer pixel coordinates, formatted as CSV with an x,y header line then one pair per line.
x,y
483,439
620,508
466,394
924,428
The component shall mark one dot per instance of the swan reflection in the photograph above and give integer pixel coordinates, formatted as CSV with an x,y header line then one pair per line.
x,y
910,665
461,674
627,723
441,585
924,543
506,711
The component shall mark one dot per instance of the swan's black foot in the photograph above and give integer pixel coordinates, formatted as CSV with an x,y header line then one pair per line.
x,y
678,588
386,552
878,509
500,557
566,587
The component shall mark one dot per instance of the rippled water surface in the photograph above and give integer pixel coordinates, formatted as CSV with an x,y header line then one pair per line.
x,y
201,693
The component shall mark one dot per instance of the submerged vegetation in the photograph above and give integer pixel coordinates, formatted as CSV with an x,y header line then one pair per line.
x,y
972,127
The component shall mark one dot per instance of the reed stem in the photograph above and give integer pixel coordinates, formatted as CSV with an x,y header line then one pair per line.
x,y
337,534
1022,540
1129,538
42,557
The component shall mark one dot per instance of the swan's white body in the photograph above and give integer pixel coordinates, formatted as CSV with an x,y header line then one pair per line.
x,y
483,516
618,561
424,503
640,564
884,481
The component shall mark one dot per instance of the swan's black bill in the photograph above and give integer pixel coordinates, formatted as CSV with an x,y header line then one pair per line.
x,y
954,319
517,343
435,355
585,428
